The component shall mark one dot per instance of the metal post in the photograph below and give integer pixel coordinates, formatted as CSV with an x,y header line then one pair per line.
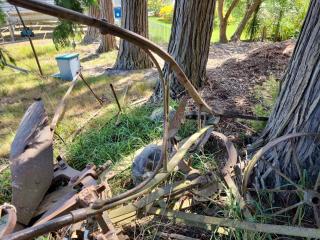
x,y
115,97
88,86
31,43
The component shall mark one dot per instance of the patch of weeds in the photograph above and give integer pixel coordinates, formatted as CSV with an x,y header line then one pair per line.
x,y
111,142
4,92
203,162
187,129
5,186
266,94
121,182
143,88
234,211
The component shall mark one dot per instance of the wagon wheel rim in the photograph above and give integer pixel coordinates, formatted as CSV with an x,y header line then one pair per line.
x,y
307,199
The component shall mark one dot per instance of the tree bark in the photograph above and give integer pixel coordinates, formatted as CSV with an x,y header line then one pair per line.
x,y
224,19
134,18
297,108
92,33
250,10
189,44
108,42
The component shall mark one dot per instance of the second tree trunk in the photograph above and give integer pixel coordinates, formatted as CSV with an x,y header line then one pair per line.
x,y
108,42
134,18
189,43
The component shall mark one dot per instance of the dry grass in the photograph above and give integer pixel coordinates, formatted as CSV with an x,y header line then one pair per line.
x,y
17,90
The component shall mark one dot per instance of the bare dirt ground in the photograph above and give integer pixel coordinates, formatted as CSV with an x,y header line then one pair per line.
x,y
235,69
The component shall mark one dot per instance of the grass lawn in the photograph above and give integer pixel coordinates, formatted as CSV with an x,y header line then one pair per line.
x,y
159,31
17,90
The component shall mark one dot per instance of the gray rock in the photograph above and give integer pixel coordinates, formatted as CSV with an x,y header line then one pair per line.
x,y
144,164
158,114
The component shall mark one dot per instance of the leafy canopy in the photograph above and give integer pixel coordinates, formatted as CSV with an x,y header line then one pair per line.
x,y
66,31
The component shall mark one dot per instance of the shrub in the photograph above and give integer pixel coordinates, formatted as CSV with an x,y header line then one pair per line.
x,y
278,20
166,13
155,6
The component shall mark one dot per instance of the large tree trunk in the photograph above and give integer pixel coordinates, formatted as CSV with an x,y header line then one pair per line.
x,y
92,33
134,18
224,19
251,9
298,106
189,43
108,42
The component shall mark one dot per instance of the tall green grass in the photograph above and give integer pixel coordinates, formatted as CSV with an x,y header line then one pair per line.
x,y
111,142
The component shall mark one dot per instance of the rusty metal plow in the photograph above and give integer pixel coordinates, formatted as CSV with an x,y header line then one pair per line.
x,y
61,196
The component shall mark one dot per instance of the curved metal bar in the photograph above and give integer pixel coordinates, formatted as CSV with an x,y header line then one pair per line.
x,y
108,28
165,89
11,221
263,150
228,168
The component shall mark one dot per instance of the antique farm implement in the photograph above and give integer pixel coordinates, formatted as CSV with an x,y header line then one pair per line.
x,y
49,195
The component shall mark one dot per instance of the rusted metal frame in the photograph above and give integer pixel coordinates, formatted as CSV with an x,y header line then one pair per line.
x,y
9,210
88,86
228,114
82,214
263,150
61,139
154,178
205,221
116,98
157,194
165,89
127,35
31,43
118,104
227,171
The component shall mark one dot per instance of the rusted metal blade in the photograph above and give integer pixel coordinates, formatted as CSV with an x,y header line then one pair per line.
x,y
31,159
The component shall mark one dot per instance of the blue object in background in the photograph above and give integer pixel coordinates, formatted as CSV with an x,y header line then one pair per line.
x,y
117,12
27,32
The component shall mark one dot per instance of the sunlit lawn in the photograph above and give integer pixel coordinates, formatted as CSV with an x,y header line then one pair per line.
x,y
159,31
17,90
